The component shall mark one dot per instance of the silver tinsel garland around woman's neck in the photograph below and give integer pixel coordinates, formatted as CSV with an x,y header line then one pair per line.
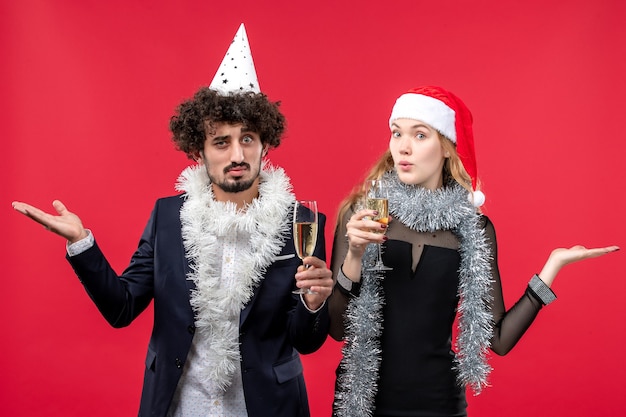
x,y
422,210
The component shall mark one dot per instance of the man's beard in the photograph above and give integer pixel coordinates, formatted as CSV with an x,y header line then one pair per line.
x,y
237,185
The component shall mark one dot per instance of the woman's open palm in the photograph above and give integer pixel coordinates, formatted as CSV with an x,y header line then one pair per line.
x,y
565,256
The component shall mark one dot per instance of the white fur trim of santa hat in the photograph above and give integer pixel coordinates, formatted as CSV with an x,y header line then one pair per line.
x,y
425,109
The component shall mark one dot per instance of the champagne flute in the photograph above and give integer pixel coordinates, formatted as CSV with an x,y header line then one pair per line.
x,y
376,199
304,233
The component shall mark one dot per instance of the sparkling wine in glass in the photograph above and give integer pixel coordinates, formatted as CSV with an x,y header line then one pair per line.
x,y
376,199
305,232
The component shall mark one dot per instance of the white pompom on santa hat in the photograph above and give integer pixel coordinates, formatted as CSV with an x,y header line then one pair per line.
x,y
446,113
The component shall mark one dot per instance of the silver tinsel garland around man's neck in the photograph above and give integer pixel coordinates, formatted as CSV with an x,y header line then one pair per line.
x,y
422,210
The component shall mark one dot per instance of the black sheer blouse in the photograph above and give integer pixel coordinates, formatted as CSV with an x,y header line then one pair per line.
x,y
416,377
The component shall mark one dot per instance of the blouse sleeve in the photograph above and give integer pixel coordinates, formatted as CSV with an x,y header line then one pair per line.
x,y
338,301
510,325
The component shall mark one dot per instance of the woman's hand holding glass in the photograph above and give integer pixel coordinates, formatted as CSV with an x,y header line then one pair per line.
x,y
369,223
361,230
376,200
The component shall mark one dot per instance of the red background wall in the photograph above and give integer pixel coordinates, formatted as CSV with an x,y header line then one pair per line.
x,y
87,91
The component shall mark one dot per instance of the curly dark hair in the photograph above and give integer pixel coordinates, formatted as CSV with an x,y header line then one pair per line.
x,y
207,107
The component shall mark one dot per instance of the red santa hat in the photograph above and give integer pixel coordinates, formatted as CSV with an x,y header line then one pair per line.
x,y
449,116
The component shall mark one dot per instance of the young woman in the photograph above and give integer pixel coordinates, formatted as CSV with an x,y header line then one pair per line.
x,y
398,359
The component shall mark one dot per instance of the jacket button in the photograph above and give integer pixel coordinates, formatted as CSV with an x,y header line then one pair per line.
x,y
191,329
179,363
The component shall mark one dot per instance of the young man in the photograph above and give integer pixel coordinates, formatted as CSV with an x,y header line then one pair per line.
x,y
219,263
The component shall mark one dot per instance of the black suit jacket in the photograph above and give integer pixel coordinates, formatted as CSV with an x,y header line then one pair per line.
x,y
274,325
